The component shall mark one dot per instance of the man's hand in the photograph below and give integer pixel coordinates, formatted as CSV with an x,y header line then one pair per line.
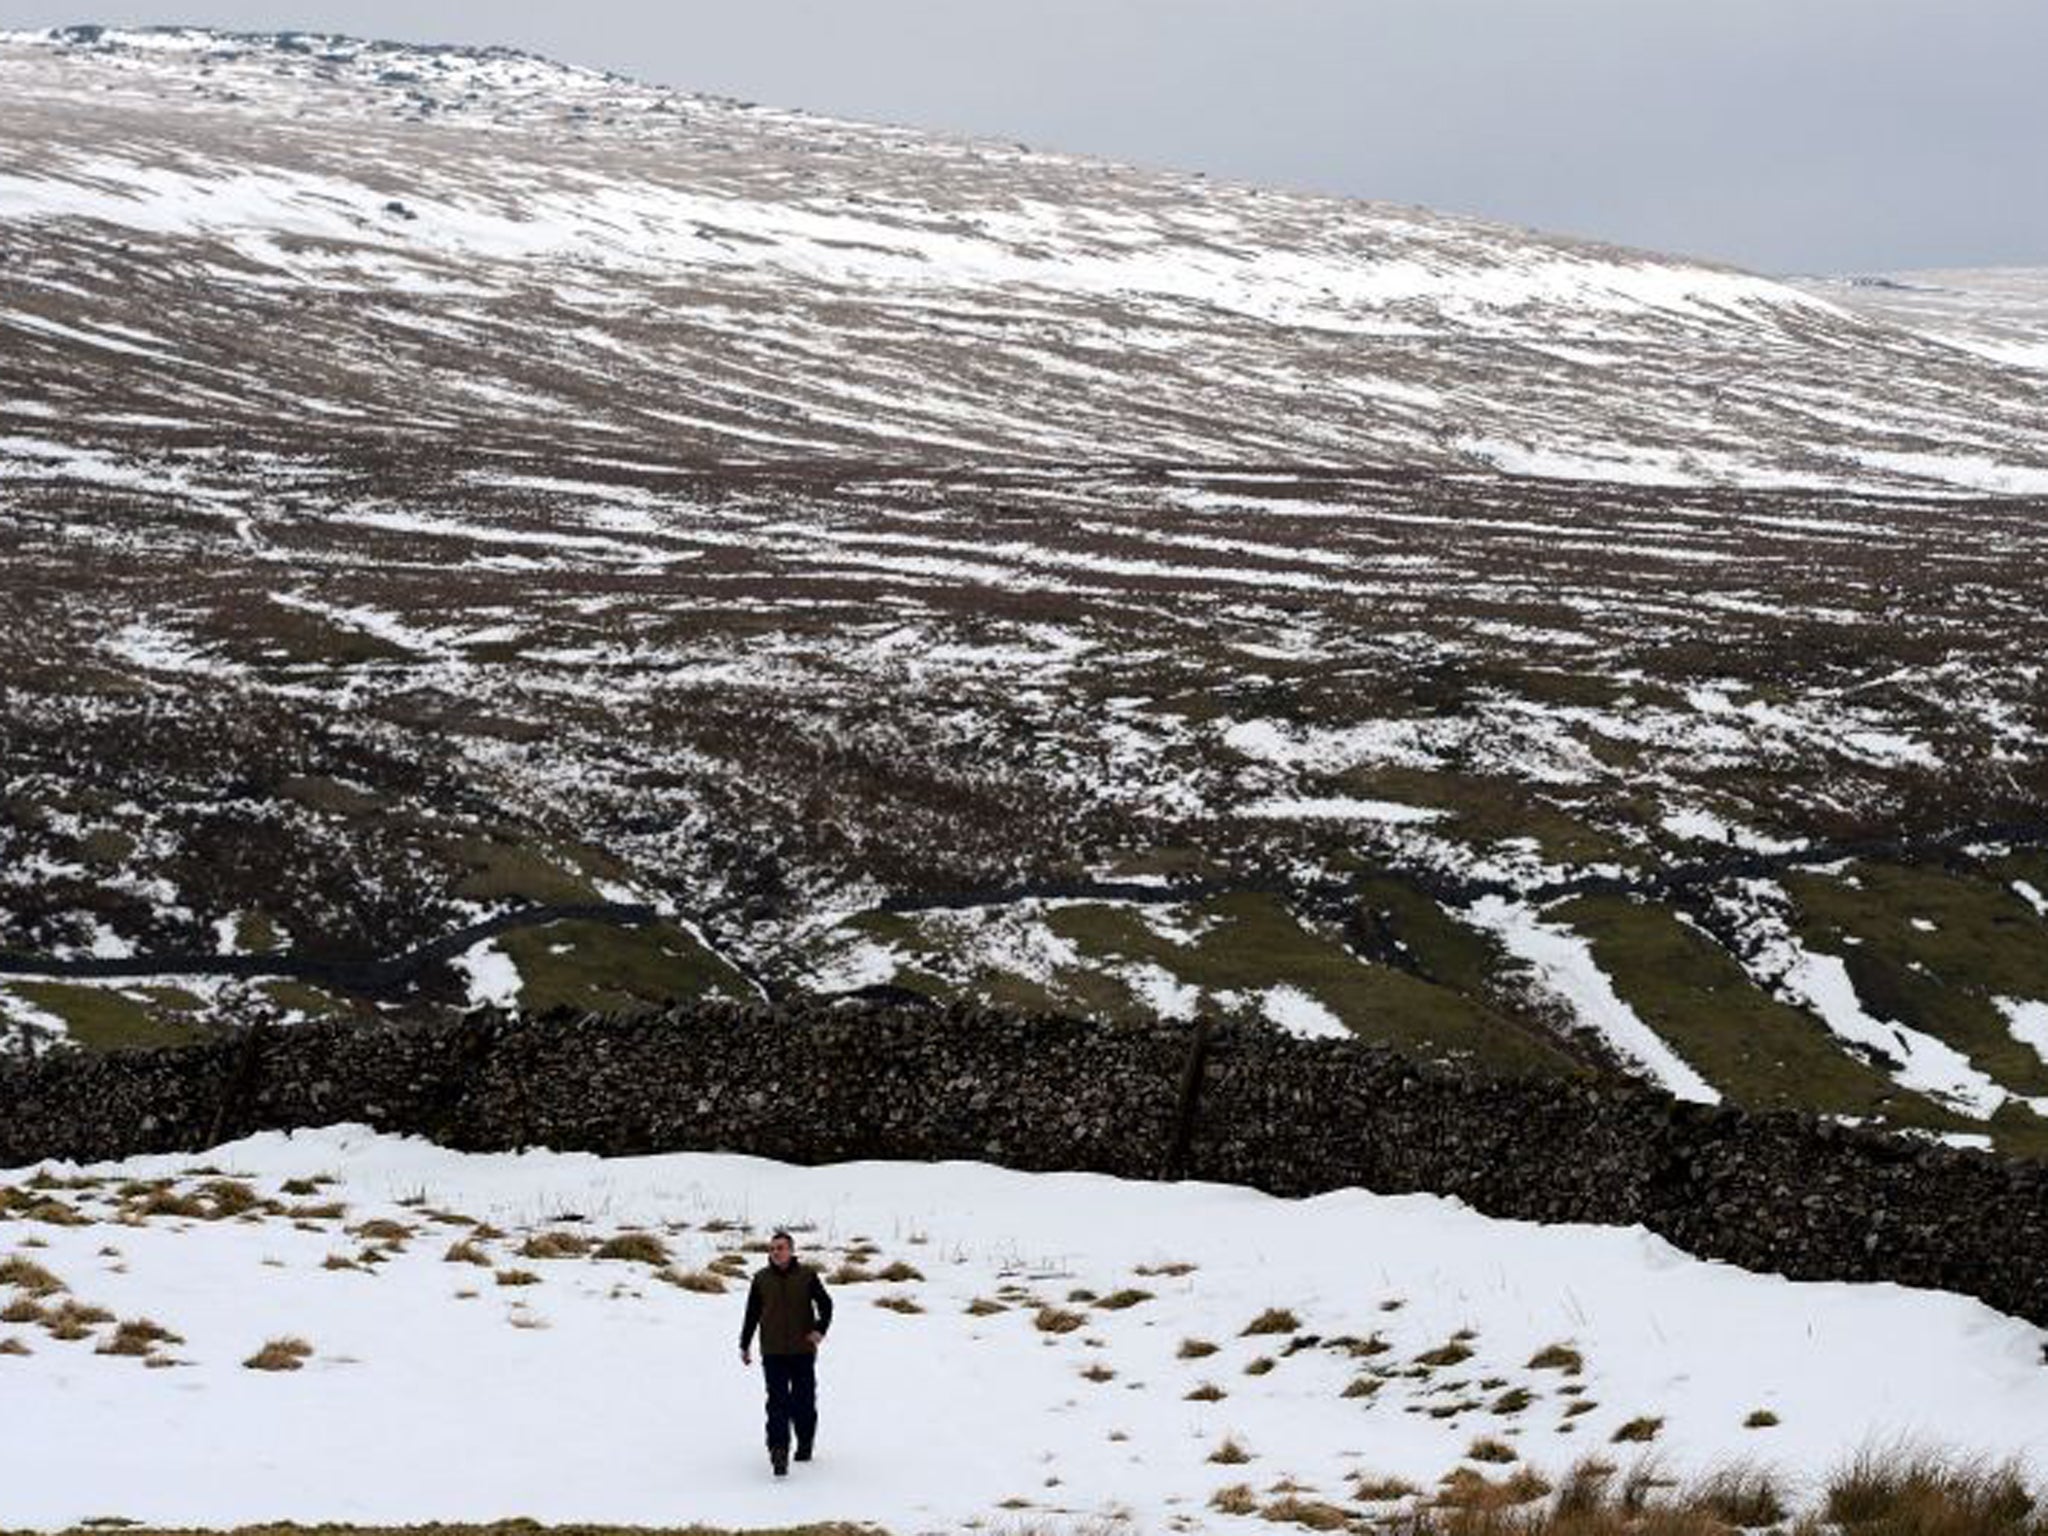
x,y
746,1355
816,1338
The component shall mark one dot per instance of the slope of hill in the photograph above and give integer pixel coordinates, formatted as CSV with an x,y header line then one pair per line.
x,y
436,482
1996,312
1064,1350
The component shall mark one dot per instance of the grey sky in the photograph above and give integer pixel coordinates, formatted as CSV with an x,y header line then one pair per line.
x,y
1786,135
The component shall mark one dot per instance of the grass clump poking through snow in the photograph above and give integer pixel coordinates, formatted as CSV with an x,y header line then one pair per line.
x,y
1486,1448
1195,1349
280,1355
1761,1418
1237,1499
701,1281
1893,1491
635,1247
1057,1320
1742,1496
1118,1301
1292,1509
1272,1320
1230,1453
137,1336
1207,1392
1638,1431
554,1245
1557,1357
27,1275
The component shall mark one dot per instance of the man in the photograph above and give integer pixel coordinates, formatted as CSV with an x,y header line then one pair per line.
x,y
787,1302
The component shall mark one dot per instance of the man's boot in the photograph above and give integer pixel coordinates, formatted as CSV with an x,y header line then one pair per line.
x,y
778,1458
803,1450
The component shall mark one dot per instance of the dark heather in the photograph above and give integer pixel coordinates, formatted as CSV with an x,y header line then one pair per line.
x,y
786,1305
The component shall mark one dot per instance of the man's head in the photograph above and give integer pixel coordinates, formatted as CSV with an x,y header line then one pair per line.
x,y
781,1250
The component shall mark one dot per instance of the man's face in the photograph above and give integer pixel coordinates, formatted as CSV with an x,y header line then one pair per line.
x,y
780,1251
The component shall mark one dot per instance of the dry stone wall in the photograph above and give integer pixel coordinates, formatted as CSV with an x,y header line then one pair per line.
x,y
1231,1103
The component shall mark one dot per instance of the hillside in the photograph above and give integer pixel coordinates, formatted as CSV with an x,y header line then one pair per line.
x,y
435,483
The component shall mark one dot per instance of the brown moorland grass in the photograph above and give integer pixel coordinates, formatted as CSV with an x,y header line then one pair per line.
x,y
1884,1491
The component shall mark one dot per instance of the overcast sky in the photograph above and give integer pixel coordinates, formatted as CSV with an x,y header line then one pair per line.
x,y
1785,135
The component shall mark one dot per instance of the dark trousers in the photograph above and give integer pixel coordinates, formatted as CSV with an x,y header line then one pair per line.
x,y
792,1399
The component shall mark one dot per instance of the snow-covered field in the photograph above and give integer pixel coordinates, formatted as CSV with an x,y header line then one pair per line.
x,y
601,1391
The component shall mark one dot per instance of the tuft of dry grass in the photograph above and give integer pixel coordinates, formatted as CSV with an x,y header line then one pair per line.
x,y
339,1261
137,1336
1557,1357
1478,1494
74,1320
1899,1491
286,1354
382,1229
899,1273
1207,1392
903,1304
517,1277
1761,1418
1260,1366
1230,1453
1512,1401
1195,1349
1361,1386
467,1252
1743,1496
635,1248
1315,1514
1057,1320
981,1306
27,1275
1172,1270
846,1272
13,1346
1237,1499
1486,1448
1638,1431
701,1281
1383,1490
22,1310
1098,1372
555,1245
1456,1352
1123,1300
1272,1320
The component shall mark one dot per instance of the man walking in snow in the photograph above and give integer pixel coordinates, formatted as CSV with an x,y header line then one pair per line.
x,y
787,1302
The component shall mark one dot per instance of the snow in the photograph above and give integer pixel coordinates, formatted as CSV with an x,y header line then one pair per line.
x,y
1300,1014
1821,983
494,980
1343,809
1699,825
601,1394
2028,1022
2031,896
1564,967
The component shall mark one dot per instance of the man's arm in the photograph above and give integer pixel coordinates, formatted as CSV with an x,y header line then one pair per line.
x,y
753,1317
821,1304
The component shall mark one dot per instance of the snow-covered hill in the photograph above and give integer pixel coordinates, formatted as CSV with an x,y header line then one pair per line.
x,y
435,483
1995,312
439,244
448,1376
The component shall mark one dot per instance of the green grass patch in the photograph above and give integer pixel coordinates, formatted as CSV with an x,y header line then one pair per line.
x,y
1758,1051
106,1019
602,967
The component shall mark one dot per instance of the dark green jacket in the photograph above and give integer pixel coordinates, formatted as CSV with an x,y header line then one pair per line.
x,y
786,1305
